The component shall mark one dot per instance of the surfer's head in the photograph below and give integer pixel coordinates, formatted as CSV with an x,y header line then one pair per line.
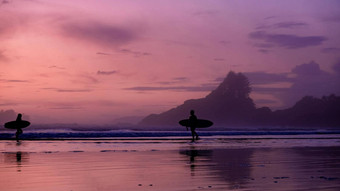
x,y
19,117
192,112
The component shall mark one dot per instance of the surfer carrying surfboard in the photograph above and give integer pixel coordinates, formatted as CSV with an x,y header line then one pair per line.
x,y
18,124
193,123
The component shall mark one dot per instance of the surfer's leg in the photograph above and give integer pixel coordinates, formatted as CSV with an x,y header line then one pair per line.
x,y
193,134
196,135
17,135
19,132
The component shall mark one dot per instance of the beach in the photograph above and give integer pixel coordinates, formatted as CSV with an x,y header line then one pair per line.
x,y
308,162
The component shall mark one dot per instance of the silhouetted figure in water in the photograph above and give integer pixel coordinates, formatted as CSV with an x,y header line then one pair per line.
x,y
19,130
193,122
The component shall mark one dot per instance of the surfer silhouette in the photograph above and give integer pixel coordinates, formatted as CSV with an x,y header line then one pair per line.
x,y
193,123
18,125
19,130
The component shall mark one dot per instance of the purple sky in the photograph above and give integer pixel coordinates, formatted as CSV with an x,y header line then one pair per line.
x,y
95,61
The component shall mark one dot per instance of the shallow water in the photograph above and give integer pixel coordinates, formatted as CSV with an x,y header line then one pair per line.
x,y
210,164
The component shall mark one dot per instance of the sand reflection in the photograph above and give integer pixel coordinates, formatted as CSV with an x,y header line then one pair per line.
x,y
230,165
17,159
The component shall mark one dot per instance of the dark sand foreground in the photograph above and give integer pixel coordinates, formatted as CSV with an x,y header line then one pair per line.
x,y
170,165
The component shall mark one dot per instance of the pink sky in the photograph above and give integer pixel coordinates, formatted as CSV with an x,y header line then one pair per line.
x,y
95,61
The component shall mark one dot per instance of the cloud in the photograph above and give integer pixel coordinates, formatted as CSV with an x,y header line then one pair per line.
x,y
290,24
176,80
3,2
66,107
311,68
106,72
267,78
219,59
283,25
287,40
134,53
180,79
202,88
330,50
73,90
103,53
269,90
57,67
264,51
311,80
99,33
306,79
68,90
14,81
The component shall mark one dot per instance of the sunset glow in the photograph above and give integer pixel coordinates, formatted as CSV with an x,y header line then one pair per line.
x,y
96,61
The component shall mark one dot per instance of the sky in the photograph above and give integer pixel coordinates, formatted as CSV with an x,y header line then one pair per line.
x,y
91,62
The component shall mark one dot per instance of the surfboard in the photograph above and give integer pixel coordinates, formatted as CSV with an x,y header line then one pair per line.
x,y
17,124
201,123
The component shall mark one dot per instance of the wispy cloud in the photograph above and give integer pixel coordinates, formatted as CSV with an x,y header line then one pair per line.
x,y
106,72
177,80
283,25
181,79
224,42
66,107
103,53
68,90
202,88
287,40
134,53
219,59
14,81
99,33
73,90
57,67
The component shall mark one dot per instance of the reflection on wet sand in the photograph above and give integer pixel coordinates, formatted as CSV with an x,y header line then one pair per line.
x,y
230,165
16,158
196,154
269,169
87,166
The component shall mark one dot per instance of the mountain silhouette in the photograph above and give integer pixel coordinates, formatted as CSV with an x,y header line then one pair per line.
x,y
230,105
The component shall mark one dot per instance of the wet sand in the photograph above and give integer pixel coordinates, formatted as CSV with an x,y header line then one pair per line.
x,y
218,164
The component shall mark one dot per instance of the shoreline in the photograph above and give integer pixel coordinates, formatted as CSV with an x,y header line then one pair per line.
x,y
170,166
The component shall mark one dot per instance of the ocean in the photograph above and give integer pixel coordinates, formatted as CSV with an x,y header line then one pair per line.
x,y
129,133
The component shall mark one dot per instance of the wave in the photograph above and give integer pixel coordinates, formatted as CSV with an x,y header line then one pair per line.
x,y
74,134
